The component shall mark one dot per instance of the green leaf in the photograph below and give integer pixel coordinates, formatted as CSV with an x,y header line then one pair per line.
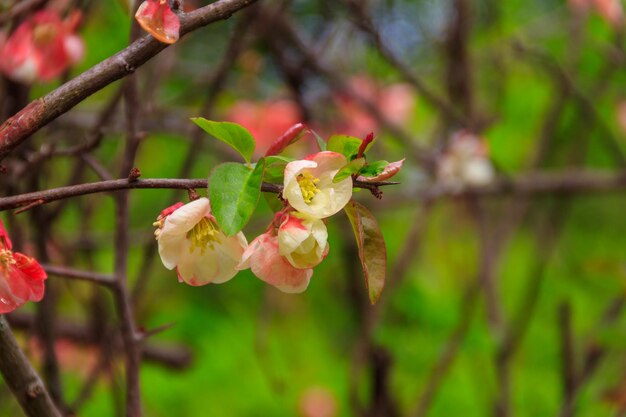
x,y
275,168
234,191
343,144
321,143
232,134
372,250
351,168
273,202
374,168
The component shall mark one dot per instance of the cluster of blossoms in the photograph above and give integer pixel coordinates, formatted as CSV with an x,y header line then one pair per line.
x,y
21,277
42,47
191,241
465,161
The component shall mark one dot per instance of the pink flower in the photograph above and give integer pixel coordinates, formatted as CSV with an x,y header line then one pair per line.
x,y
309,185
21,277
157,18
285,255
265,261
302,240
266,121
41,48
191,241
396,102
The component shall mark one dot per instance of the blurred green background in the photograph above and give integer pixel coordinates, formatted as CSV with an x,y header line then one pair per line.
x,y
259,352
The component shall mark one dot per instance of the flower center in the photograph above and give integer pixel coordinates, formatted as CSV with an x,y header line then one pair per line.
x,y
44,34
6,259
308,186
203,234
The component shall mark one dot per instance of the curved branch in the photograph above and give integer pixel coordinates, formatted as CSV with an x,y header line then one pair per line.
x,y
43,110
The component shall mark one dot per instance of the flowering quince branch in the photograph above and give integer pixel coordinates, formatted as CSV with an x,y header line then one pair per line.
x,y
204,242
42,111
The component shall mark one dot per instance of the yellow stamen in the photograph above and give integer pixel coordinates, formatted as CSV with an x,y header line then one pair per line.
x,y
203,234
308,186
44,34
6,258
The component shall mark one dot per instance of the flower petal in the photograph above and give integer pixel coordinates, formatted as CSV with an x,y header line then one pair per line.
x,y
267,264
331,197
156,18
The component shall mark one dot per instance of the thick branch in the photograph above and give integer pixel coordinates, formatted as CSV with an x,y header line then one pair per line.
x,y
42,111
21,377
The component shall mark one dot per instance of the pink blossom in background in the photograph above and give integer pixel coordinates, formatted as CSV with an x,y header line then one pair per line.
x,y
610,10
317,402
21,277
42,48
266,120
466,161
396,102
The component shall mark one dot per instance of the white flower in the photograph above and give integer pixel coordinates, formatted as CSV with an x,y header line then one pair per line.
x,y
466,162
309,186
191,241
302,240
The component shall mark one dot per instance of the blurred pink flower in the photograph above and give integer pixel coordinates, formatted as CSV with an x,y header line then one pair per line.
x,y
466,161
317,402
21,277
42,47
266,121
610,10
396,102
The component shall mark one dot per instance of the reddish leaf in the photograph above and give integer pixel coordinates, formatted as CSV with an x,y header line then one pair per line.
x,y
292,135
372,250
390,170
156,18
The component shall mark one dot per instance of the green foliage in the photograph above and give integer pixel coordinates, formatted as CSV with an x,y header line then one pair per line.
x,y
351,168
234,191
275,168
345,145
373,169
232,134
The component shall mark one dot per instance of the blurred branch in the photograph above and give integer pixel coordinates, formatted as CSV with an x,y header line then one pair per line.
x,y
171,356
42,111
449,352
363,19
21,378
